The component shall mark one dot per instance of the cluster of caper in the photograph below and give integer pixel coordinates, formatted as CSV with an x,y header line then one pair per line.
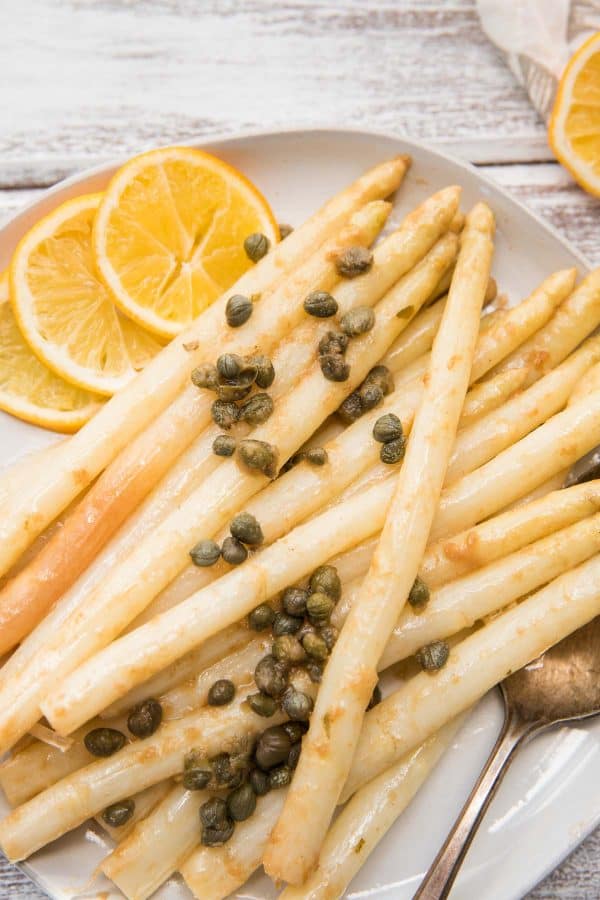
x,y
333,345
245,531
242,779
233,379
303,636
143,720
377,385
388,432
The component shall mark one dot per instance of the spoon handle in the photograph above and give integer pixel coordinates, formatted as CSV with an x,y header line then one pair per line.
x,y
438,881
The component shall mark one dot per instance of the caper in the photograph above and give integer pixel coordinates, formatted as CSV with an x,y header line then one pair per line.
x,y
294,730
587,468
297,705
371,396
316,456
285,624
393,451
238,310
224,445
330,634
433,656
224,413
229,365
307,628
193,760
351,409
261,617
314,670
205,553
288,649
196,779
104,741
145,718
259,455
284,230
224,772
294,756
333,342
259,782
117,814
265,373
315,646
327,580
216,837
272,747
334,368
241,803
231,391
419,594
387,428
246,528
256,246
381,376
320,304
233,551
294,601
280,777
205,377
375,697
262,705
213,812
257,409
357,321
221,692
319,607
270,676
354,261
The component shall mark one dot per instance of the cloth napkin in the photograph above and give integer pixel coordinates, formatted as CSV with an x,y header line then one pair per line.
x,y
538,37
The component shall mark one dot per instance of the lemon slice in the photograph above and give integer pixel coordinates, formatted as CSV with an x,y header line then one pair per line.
x,y
169,235
65,311
574,131
31,391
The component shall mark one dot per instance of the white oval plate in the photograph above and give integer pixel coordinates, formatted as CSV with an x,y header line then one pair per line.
x,y
549,800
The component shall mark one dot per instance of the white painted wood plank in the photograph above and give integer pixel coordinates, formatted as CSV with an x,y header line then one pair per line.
x,y
95,79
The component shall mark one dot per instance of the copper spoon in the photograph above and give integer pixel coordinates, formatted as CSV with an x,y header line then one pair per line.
x,y
561,686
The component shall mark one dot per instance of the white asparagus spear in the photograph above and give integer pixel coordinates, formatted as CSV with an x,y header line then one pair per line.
x,y
449,558
516,637
463,602
589,383
158,559
26,599
574,320
158,844
557,443
213,873
366,819
490,394
417,339
521,414
350,675
67,804
78,461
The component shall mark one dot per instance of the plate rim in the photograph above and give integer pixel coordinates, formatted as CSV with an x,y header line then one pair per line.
x,y
239,136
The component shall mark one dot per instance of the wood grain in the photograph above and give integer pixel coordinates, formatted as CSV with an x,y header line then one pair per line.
x,y
84,81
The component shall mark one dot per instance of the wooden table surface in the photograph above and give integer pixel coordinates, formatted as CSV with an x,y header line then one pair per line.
x,y
88,80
